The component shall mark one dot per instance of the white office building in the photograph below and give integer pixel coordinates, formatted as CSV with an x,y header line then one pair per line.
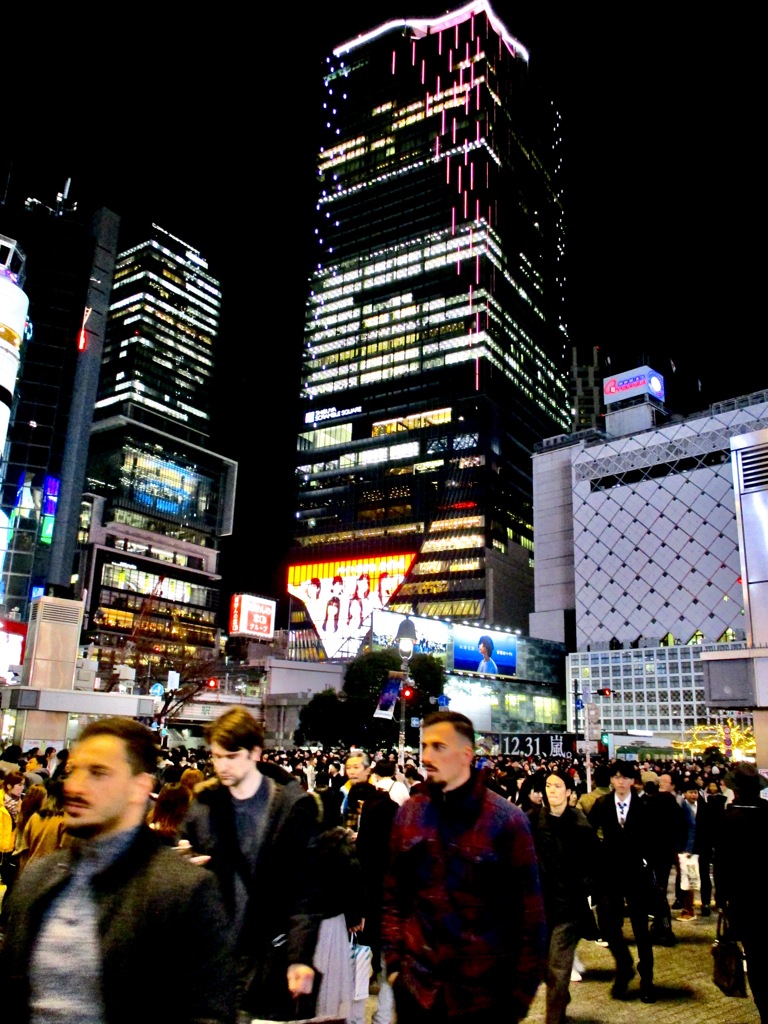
x,y
637,562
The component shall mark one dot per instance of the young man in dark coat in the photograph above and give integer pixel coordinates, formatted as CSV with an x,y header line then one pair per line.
x,y
626,878
83,919
256,828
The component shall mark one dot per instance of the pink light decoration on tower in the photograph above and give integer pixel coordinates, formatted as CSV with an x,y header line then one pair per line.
x,y
447,170
413,53
459,181
466,204
453,220
393,62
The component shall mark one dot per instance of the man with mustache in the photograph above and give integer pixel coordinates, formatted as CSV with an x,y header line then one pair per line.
x,y
83,920
463,932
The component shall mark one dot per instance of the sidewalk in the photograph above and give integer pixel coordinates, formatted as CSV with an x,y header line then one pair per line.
x,y
683,977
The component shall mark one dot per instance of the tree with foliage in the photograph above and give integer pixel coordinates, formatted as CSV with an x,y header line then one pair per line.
x,y
322,721
364,681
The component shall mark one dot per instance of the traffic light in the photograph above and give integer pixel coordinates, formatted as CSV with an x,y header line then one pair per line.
x,y
605,691
212,684
407,692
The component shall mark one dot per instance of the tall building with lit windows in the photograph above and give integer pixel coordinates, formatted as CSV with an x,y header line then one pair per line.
x,y
435,350
157,499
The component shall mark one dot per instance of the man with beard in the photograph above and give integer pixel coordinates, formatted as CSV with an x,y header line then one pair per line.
x,y
463,933
82,919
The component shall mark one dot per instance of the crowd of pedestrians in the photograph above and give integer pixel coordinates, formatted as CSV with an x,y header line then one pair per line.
x,y
471,879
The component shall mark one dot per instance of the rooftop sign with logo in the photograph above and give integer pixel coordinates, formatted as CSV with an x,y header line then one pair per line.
x,y
633,384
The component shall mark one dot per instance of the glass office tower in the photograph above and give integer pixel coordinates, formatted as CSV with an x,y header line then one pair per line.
x,y
157,499
435,349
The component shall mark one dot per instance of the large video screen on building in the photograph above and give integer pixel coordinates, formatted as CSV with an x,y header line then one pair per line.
x,y
432,635
460,648
341,595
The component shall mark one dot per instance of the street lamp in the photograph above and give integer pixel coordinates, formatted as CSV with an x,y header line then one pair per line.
x,y
406,639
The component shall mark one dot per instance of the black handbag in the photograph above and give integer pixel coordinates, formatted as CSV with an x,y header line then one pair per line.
x,y
729,961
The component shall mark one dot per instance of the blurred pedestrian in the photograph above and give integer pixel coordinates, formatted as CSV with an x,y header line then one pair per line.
x,y
743,892
82,920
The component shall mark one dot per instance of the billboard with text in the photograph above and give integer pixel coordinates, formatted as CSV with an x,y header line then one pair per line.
x,y
252,616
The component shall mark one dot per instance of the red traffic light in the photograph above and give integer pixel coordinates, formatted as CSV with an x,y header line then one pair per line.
x,y
212,684
605,692
407,692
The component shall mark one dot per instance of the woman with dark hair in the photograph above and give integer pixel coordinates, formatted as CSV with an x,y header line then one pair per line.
x,y
13,791
9,759
567,850
169,810
44,831
531,792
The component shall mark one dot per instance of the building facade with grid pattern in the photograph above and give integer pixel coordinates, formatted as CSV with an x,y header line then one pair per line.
x,y
638,550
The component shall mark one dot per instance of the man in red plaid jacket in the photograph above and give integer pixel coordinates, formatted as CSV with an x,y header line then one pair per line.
x,y
463,931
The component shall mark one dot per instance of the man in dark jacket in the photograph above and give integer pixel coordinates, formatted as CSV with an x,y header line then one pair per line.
x,y
82,920
463,931
567,848
738,850
626,879
256,829
699,840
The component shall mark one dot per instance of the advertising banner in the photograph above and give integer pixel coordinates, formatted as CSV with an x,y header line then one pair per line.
x,y
340,596
389,695
252,616
477,650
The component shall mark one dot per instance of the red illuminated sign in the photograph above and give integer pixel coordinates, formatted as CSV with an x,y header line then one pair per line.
x,y
252,616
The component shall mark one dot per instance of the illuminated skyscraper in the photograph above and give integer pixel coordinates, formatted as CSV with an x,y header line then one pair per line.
x,y
64,257
435,349
163,321
158,500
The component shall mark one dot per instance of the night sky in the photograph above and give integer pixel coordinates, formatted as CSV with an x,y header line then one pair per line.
x,y
209,128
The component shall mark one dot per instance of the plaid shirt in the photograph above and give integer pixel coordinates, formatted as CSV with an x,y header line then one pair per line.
x,y
463,911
